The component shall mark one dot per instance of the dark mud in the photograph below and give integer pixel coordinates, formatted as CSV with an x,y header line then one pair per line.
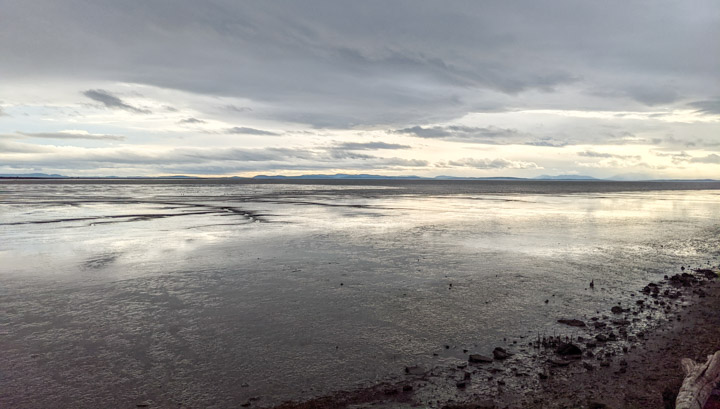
x,y
626,357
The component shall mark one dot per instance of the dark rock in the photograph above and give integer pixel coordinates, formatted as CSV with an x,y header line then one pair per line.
x,y
559,362
461,384
601,337
621,322
709,274
467,376
568,349
599,324
500,353
616,309
407,388
572,323
588,366
477,358
596,405
414,370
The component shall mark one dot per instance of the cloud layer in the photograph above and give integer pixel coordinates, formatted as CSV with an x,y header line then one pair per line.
x,y
484,87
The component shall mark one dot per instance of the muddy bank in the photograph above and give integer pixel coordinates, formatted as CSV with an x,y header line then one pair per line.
x,y
625,357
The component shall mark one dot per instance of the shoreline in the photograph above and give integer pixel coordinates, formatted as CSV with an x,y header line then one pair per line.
x,y
632,361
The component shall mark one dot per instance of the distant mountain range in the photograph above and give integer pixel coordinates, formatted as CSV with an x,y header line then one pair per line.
x,y
346,176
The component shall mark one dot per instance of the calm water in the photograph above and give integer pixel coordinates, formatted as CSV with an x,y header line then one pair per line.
x,y
204,294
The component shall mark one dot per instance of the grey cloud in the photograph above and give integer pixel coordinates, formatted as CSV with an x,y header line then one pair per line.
x,y
250,131
463,133
499,163
709,107
370,63
111,101
247,158
712,158
13,147
361,146
237,109
604,155
73,135
650,95
191,121
673,142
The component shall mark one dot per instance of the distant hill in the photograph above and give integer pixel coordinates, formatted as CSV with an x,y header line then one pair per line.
x,y
336,176
30,175
363,176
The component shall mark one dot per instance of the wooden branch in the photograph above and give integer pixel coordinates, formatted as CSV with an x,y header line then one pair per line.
x,y
700,380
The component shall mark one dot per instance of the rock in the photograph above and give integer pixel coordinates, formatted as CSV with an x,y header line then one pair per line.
x,y
601,337
559,362
616,309
596,405
414,370
621,322
588,366
477,358
572,323
599,324
500,353
709,274
461,384
568,349
407,388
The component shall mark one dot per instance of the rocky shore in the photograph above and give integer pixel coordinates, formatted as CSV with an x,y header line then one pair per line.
x,y
625,357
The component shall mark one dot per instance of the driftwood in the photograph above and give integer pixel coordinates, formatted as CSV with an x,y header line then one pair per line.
x,y
700,380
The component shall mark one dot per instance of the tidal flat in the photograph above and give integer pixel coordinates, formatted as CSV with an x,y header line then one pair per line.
x,y
221,293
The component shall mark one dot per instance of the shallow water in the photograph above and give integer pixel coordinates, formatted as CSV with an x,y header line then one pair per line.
x,y
205,294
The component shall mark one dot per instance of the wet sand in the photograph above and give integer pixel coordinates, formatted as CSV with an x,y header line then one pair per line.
x,y
218,296
641,370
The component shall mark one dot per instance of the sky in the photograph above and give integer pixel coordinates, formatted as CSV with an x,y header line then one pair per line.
x,y
464,88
